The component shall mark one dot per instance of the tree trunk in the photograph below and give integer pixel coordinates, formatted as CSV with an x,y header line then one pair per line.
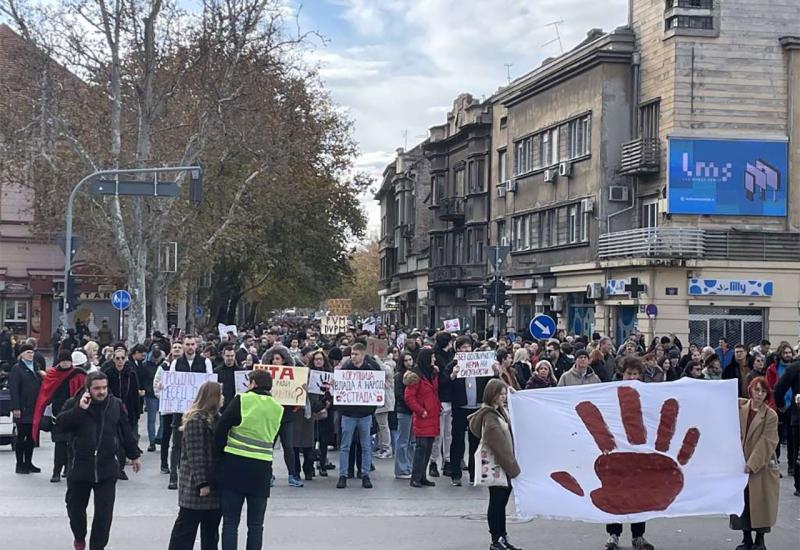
x,y
137,314
159,299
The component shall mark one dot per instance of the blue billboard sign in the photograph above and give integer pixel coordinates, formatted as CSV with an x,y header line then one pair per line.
x,y
727,177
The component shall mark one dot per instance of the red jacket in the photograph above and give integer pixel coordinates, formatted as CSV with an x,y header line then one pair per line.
x,y
422,397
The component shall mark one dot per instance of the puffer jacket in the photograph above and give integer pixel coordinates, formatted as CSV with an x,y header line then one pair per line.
x,y
492,427
422,398
573,378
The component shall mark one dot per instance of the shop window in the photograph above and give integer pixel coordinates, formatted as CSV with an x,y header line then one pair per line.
x,y
707,324
16,316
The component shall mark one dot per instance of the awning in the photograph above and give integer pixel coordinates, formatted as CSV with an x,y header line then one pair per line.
x,y
401,293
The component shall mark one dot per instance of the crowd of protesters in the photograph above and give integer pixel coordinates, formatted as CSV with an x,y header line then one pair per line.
x,y
430,425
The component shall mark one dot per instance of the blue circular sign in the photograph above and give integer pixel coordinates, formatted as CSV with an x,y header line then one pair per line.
x,y
198,311
542,326
651,310
121,299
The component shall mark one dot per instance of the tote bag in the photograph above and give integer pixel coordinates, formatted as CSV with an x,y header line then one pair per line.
x,y
489,473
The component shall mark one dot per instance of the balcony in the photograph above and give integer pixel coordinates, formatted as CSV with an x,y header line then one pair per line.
x,y
453,274
641,156
677,243
451,209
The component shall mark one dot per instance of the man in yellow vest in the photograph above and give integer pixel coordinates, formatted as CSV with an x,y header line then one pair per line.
x,y
245,433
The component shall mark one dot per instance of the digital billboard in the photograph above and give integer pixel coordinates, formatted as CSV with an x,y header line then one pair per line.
x,y
727,177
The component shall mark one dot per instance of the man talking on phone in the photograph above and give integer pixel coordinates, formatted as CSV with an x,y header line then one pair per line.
x,y
95,421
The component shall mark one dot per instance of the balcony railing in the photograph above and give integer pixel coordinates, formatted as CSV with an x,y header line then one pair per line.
x,y
456,273
689,243
641,156
451,209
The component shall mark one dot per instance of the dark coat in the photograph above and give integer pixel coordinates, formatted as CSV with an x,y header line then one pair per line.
x,y
400,406
459,386
144,375
124,385
227,377
199,364
536,382
733,372
197,465
522,371
790,381
95,436
422,397
443,358
359,411
23,385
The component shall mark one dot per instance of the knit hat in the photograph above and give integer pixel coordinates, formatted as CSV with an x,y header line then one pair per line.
x,y
581,353
335,354
79,358
64,355
25,347
442,339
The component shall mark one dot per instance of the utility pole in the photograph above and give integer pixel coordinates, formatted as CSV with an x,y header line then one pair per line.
x,y
496,306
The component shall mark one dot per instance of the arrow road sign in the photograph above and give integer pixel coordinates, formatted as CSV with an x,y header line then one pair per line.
x,y
542,326
121,300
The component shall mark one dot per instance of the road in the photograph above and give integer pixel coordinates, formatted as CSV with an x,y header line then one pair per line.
x,y
318,516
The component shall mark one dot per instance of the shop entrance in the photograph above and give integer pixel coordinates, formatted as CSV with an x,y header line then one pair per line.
x,y
707,324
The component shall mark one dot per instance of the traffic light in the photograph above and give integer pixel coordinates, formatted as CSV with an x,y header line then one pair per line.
x,y
73,294
494,293
196,185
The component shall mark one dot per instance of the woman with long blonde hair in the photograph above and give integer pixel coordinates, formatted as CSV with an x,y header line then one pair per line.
x,y
198,499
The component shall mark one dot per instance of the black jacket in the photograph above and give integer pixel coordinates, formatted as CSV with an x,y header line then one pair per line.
x,y
562,365
95,435
459,387
359,411
227,377
790,381
143,376
523,373
400,406
124,385
444,358
198,364
24,384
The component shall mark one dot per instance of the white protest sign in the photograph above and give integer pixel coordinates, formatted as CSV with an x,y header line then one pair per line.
x,y
333,325
241,380
225,329
288,383
627,452
452,325
475,363
369,327
178,390
359,387
317,379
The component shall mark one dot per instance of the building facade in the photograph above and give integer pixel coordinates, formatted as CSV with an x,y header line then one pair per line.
x,y
404,251
459,199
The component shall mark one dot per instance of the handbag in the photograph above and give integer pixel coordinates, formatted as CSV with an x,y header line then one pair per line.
x,y
47,422
489,473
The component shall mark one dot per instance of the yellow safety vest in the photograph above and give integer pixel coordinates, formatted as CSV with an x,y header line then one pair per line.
x,y
261,420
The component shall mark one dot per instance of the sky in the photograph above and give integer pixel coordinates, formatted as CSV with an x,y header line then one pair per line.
x,y
395,66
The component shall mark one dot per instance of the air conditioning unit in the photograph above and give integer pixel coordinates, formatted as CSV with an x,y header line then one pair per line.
x,y
550,175
587,205
565,169
556,303
501,190
511,185
618,193
594,291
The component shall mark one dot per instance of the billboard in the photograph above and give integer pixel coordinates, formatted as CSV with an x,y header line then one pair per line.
x,y
727,177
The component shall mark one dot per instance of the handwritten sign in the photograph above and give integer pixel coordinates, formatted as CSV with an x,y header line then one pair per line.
x,y
340,306
317,379
241,380
179,390
369,327
377,347
475,363
333,325
225,329
452,325
288,383
359,387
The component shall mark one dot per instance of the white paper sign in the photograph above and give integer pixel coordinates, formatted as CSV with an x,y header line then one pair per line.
x,y
452,325
626,452
359,387
475,363
225,329
369,327
241,380
179,390
333,325
317,379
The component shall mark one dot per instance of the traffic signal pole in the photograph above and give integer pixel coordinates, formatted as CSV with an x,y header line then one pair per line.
x,y
496,307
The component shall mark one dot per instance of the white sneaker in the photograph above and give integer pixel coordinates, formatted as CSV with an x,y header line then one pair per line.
x,y
612,543
403,476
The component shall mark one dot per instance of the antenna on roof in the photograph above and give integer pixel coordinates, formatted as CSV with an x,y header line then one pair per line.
x,y
404,133
555,25
508,71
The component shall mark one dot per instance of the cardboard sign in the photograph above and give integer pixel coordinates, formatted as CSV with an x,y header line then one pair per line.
x,y
317,379
359,387
178,390
377,347
241,380
369,327
333,325
340,306
225,329
452,325
475,363
288,383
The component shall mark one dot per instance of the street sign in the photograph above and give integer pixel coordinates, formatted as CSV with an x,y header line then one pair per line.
x,y
497,255
198,311
121,300
542,326
651,310
135,188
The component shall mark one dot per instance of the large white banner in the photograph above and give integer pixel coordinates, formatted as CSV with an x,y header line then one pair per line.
x,y
628,451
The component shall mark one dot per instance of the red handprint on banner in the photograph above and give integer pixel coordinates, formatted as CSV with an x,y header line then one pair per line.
x,y
633,482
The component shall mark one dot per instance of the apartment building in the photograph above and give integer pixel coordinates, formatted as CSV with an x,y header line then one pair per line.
x,y
404,245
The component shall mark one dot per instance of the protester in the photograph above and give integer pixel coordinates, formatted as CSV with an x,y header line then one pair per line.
x,y
444,352
491,425
422,398
506,372
789,384
244,436
580,373
97,424
166,419
542,376
24,382
279,355
711,368
522,366
759,432
198,497
405,448
226,373
323,416
693,370
384,437
123,383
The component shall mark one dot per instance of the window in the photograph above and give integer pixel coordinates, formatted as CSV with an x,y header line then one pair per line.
x,y
573,233
398,210
548,147
460,189
502,159
469,253
15,316
383,227
650,213
696,4
579,138
458,249
690,22
502,236
503,121
586,219
523,156
533,230
437,189
649,120
476,176
479,245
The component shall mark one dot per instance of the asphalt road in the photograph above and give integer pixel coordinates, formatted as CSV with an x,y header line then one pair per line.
x,y
391,516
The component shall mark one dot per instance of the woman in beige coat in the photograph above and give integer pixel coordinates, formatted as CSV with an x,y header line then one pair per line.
x,y
759,433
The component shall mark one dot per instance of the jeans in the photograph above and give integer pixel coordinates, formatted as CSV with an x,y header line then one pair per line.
x,y
637,529
441,447
151,404
422,455
166,437
457,447
231,514
384,436
184,532
496,514
349,426
77,500
404,452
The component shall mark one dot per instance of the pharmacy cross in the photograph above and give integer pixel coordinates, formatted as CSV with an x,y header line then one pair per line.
x,y
634,288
